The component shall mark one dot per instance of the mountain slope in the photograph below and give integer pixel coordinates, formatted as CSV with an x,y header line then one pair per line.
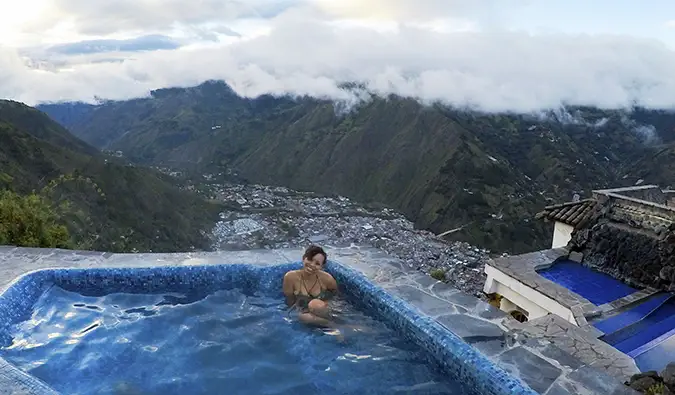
x,y
445,169
112,206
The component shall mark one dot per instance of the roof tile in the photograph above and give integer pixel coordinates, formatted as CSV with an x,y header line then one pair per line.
x,y
571,213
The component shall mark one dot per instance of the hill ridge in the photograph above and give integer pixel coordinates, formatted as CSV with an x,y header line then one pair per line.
x,y
39,155
442,167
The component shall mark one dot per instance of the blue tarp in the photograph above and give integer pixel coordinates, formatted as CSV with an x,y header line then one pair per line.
x,y
651,327
626,318
597,287
645,332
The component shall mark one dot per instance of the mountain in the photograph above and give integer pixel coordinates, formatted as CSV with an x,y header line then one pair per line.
x,y
482,175
110,205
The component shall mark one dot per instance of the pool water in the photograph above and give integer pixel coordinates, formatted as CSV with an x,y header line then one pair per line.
x,y
222,342
598,288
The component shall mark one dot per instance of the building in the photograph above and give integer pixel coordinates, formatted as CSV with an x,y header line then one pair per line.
x,y
572,215
612,255
566,217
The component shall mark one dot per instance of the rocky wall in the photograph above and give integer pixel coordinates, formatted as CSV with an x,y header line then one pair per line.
x,y
636,256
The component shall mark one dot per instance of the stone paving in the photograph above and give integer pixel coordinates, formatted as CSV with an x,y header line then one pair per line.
x,y
580,341
537,353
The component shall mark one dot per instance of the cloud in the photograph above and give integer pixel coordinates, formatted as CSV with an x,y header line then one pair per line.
x,y
407,10
138,44
306,52
671,24
107,17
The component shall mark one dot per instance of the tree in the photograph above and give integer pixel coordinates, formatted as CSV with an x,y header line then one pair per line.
x,y
30,221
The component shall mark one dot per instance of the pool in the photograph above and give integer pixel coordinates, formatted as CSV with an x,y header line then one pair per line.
x,y
190,329
84,324
598,288
241,339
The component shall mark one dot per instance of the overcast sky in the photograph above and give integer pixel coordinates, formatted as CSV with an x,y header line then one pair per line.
x,y
495,55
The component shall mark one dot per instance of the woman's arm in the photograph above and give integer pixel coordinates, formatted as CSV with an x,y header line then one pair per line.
x,y
330,283
288,288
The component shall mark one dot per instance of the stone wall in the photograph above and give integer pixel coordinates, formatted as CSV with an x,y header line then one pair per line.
x,y
640,258
652,194
631,241
640,215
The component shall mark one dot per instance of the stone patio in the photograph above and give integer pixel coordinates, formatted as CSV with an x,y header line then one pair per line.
x,y
551,357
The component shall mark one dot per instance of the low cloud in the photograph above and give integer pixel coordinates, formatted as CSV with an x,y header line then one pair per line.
x,y
139,44
305,53
106,17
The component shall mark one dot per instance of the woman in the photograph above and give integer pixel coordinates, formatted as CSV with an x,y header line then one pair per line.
x,y
310,288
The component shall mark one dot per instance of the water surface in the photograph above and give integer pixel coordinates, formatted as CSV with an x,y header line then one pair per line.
x,y
226,342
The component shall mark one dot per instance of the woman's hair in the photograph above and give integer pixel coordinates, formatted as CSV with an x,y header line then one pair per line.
x,y
312,251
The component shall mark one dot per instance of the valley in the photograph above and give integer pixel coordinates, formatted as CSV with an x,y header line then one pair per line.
x,y
485,175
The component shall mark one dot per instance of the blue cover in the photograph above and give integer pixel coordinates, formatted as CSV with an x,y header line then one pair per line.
x,y
631,316
596,287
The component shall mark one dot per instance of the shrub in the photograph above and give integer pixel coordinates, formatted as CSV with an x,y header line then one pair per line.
x,y
438,274
30,221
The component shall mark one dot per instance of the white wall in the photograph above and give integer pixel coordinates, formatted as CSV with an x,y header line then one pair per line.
x,y
533,302
562,234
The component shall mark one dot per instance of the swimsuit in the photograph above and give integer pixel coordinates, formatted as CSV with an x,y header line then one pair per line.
x,y
302,300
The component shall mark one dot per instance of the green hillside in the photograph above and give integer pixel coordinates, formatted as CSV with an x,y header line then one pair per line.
x,y
105,204
487,174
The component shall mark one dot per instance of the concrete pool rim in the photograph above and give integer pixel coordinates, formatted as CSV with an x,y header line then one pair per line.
x,y
462,361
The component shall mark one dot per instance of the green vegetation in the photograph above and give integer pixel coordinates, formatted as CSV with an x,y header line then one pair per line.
x,y
30,221
438,274
657,389
488,174
104,203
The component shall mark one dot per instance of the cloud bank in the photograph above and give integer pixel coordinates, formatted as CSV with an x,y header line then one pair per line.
x,y
138,44
444,52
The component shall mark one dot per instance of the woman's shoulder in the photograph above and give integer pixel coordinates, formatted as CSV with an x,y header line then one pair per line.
x,y
293,274
327,278
326,275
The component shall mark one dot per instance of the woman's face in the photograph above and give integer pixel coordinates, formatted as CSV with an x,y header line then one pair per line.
x,y
314,264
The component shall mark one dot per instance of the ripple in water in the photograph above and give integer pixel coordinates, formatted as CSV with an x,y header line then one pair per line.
x,y
225,342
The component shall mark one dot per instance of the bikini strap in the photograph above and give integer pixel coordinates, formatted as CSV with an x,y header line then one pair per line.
x,y
309,293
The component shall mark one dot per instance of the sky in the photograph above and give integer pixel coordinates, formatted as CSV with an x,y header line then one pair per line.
x,y
492,55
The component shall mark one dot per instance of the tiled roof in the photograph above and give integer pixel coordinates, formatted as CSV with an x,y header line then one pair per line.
x,y
571,213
